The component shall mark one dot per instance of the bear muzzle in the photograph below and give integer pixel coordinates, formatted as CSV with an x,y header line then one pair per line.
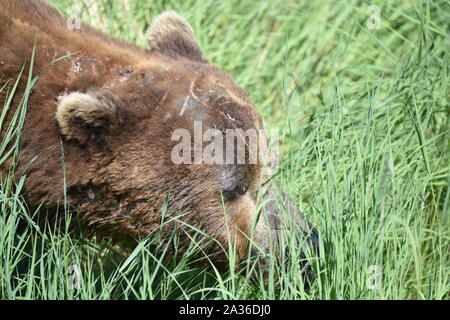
x,y
283,235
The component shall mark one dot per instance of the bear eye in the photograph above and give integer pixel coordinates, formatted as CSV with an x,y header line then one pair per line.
x,y
231,194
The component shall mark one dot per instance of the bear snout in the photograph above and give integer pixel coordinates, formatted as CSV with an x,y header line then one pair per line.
x,y
280,225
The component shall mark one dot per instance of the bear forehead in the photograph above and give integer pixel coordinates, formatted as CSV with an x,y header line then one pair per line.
x,y
189,93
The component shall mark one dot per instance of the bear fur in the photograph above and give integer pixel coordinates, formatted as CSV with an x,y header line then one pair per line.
x,y
98,129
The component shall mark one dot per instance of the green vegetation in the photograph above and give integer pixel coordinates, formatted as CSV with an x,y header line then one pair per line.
x,y
365,148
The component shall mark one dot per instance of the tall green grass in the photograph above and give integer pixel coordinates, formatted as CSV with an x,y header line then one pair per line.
x,y
364,116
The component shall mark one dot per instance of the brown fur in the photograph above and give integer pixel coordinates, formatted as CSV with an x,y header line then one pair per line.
x,y
110,108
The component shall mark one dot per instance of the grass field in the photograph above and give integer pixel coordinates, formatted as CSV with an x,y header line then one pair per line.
x,y
363,110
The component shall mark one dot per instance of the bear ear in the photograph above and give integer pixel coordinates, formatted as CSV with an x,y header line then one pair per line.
x,y
171,35
82,116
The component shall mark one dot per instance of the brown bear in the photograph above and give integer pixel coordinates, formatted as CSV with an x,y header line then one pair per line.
x,y
98,134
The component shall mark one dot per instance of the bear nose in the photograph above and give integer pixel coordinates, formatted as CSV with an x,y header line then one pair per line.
x,y
280,217
313,241
306,262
